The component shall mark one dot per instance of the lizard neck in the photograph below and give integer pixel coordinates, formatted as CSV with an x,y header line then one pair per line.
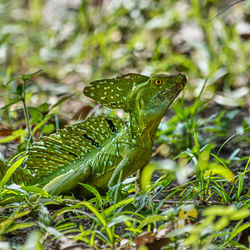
x,y
143,127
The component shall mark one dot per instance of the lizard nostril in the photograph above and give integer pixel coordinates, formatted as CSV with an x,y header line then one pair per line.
x,y
180,86
183,79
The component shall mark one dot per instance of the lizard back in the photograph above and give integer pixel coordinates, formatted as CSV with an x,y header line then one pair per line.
x,y
70,144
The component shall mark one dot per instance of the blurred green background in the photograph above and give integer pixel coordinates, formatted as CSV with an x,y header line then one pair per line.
x,y
75,42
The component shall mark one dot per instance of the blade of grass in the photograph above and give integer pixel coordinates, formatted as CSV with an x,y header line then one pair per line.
x,y
11,170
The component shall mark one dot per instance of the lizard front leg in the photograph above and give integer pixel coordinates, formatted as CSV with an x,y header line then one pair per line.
x,y
123,169
130,163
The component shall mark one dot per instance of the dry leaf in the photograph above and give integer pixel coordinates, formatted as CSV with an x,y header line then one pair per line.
x,y
67,244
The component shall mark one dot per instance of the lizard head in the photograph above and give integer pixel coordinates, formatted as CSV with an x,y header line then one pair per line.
x,y
136,93
154,97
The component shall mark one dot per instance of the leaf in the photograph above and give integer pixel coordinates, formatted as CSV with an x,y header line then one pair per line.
x,y
240,214
16,134
48,129
68,244
5,132
15,215
44,107
24,77
11,170
111,209
39,125
146,176
65,98
93,191
35,115
35,190
144,238
28,76
4,39
67,226
147,172
238,230
221,223
99,217
82,113
121,219
204,157
20,226
218,211
217,169
152,219
51,230
229,212
155,240
226,8
95,212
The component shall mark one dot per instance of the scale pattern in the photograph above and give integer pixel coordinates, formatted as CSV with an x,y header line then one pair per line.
x,y
114,93
71,143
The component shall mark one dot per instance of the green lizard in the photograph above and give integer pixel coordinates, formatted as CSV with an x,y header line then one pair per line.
x,y
102,149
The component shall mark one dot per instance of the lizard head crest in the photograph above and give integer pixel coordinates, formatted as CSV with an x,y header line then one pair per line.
x,y
115,93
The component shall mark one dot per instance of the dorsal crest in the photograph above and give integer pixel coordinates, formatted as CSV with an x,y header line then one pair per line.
x,y
114,93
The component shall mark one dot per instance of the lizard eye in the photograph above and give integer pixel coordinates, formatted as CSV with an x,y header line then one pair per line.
x,y
158,81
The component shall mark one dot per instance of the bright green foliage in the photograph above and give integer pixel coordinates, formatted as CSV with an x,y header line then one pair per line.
x,y
19,176
216,220
105,149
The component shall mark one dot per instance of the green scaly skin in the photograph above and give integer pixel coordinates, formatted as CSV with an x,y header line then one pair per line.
x,y
114,148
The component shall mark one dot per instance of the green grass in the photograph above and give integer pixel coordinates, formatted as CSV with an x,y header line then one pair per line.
x,y
199,198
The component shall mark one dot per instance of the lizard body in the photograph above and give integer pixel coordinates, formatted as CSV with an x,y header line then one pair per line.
x,y
100,149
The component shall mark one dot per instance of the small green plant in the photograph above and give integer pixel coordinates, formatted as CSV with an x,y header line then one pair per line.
x,y
210,230
36,118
